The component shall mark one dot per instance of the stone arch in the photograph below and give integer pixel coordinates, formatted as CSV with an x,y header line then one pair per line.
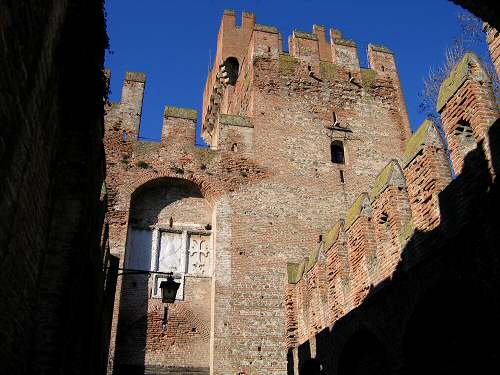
x,y
363,353
450,331
208,188
167,191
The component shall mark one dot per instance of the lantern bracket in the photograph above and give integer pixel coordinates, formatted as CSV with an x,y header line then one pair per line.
x,y
130,271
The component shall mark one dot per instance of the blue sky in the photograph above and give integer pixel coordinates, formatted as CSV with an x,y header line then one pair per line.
x,y
171,41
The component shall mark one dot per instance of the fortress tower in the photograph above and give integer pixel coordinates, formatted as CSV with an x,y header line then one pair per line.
x,y
294,138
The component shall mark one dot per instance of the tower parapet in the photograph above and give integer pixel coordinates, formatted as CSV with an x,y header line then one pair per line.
x,y
318,56
179,126
131,103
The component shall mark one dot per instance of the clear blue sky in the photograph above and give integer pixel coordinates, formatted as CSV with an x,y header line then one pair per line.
x,y
170,41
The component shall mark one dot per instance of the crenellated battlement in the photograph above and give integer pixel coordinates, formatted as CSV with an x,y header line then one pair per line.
x,y
314,55
402,213
312,166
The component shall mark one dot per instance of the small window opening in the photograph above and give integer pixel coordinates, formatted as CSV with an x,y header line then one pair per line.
x,y
383,68
234,147
337,152
463,129
320,238
464,135
124,136
341,176
383,222
268,49
383,219
232,68
309,68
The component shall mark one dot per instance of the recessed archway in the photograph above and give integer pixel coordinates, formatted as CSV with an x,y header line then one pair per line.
x,y
169,230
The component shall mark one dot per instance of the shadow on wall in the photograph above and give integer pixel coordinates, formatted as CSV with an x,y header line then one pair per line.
x,y
438,313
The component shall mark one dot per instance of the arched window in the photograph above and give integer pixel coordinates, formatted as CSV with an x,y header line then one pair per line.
x,y
232,68
337,152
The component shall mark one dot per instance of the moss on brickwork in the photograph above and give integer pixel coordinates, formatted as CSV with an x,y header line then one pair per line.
x,y
304,35
313,258
145,147
332,236
345,42
382,180
295,271
457,77
355,210
406,232
328,70
235,120
135,76
380,48
288,63
185,113
265,28
368,76
142,164
416,141
205,155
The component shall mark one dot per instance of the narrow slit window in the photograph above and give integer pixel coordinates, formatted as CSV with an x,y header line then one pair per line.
x,y
337,152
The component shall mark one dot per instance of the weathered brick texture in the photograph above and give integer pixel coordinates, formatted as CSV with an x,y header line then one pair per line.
x,y
269,178
418,238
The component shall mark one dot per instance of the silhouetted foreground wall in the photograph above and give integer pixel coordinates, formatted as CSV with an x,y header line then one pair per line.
x,y
52,201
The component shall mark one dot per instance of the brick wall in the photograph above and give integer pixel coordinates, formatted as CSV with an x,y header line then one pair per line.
x,y
418,233
268,174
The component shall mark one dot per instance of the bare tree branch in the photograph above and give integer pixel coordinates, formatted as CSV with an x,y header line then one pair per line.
x,y
471,38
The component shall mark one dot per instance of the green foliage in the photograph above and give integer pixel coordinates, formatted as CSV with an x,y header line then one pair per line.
x,y
288,64
368,76
328,70
142,164
205,156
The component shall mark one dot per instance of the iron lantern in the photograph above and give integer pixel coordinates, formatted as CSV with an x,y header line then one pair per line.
x,y
169,289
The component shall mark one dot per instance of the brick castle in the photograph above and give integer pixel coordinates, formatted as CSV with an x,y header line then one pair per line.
x,y
315,235
307,219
